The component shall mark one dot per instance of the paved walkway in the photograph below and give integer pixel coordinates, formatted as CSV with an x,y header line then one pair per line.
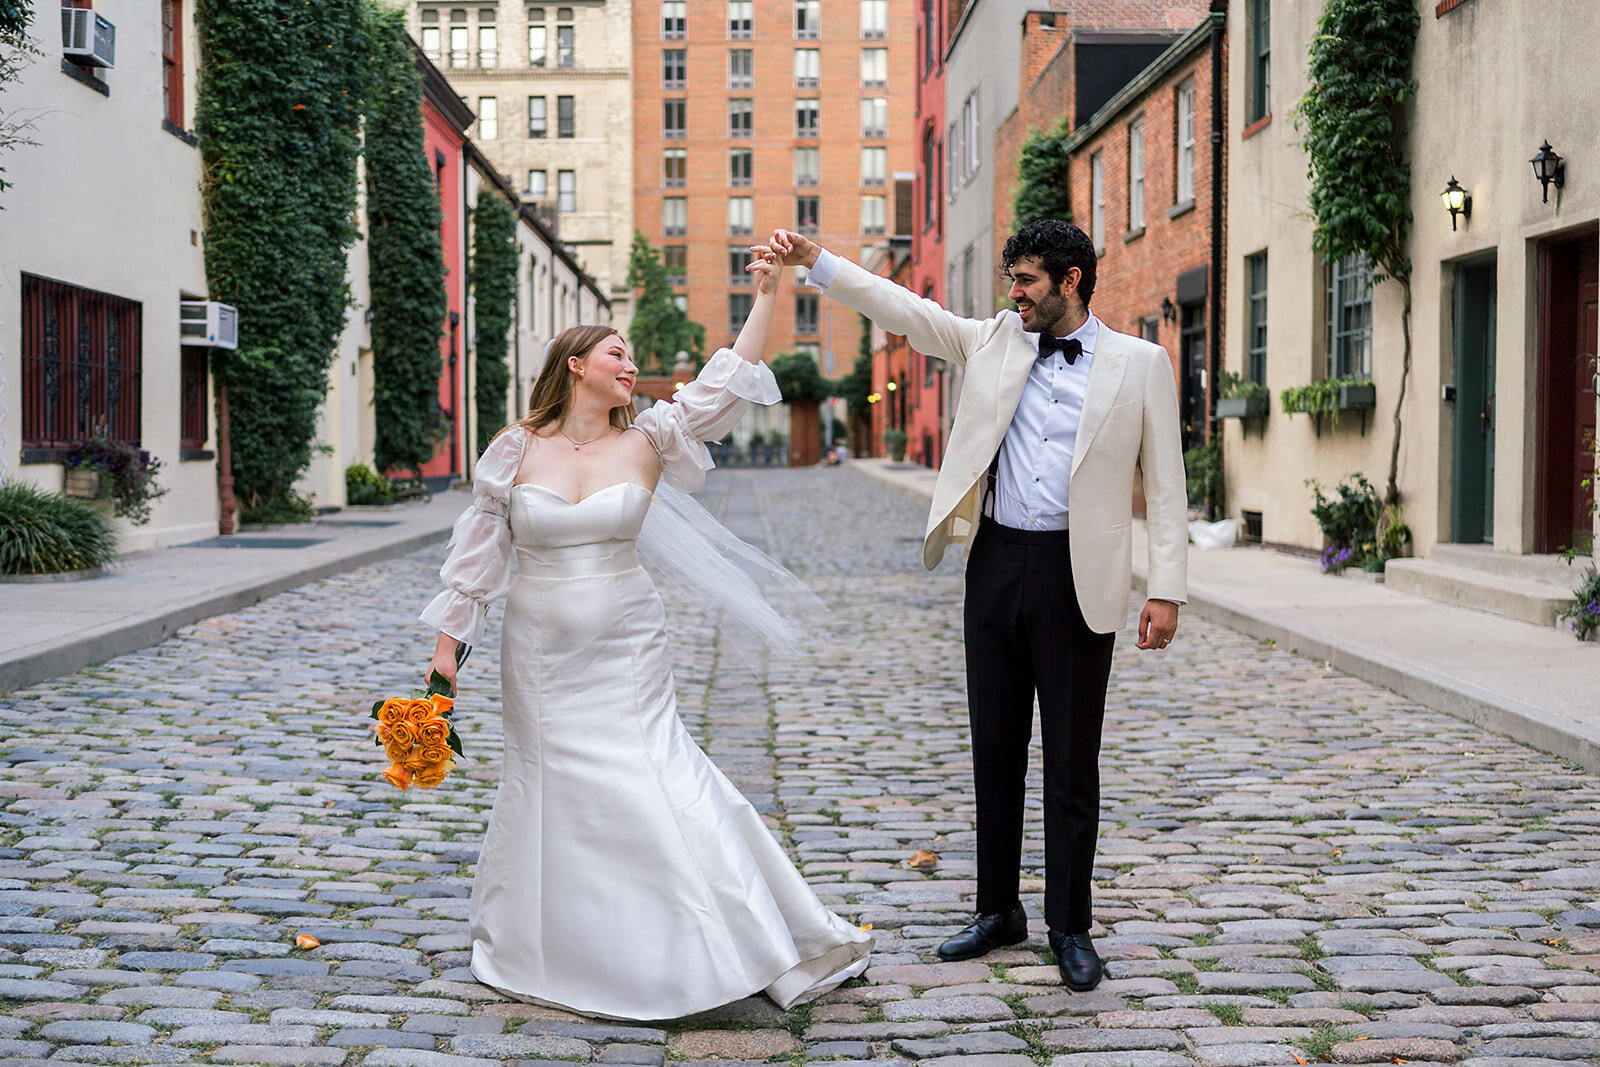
x,y
1536,684
1295,865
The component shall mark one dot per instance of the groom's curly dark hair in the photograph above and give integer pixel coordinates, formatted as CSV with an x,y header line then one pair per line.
x,y
1059,246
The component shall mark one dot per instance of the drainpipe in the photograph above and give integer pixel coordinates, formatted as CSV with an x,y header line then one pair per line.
x,y
1217,198
469,452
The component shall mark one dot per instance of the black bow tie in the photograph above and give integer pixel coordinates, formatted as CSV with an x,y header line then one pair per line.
x,y
1070,347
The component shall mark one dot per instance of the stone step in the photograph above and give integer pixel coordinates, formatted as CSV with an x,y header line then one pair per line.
x,y
1550,569
1497,594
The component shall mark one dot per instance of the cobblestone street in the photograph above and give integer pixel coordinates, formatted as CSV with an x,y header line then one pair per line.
x,y
1294,866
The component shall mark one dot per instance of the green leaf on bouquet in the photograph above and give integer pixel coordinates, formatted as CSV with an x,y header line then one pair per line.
x,y
438,683
376,704
455,742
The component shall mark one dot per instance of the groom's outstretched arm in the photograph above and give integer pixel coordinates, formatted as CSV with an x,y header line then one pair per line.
x,y
930,328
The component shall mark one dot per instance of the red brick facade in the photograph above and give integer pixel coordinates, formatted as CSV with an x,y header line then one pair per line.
x,y
926,381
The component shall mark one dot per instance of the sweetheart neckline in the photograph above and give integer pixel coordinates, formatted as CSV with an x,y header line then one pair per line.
x,y
590,496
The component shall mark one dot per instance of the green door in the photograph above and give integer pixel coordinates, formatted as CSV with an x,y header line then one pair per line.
x,y
1472,514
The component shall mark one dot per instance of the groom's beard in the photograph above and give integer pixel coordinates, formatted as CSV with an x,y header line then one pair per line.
x,y
1050,314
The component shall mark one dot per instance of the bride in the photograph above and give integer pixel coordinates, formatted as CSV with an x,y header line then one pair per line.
x,y
621,874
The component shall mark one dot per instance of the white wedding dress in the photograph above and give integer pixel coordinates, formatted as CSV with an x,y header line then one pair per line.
x,y
622,875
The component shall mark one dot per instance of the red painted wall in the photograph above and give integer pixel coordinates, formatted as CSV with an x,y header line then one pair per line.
x,y
925,415
443,139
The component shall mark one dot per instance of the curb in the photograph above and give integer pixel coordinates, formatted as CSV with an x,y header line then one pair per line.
x,y
93,646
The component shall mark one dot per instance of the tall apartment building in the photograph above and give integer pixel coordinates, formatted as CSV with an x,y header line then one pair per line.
x,y
752,114
549,84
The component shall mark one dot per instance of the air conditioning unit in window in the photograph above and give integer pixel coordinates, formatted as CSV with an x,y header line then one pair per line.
x,y
88,37
208,324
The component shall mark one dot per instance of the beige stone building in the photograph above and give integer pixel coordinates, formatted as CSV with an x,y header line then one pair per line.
x,y
550,84
1499,411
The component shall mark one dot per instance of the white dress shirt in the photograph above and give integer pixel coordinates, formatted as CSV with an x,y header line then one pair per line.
x,y
1035,465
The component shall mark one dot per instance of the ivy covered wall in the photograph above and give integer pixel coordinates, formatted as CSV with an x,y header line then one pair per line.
x,y
494,291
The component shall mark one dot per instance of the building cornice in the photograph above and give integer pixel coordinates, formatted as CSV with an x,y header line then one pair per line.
x,y
437,91
495,74
1159,68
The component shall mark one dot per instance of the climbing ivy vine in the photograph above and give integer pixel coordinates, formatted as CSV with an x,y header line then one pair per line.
x,y
660,330
1353,118
278,115
405,258
494,289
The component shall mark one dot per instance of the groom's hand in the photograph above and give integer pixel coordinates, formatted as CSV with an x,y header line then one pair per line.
x,y
1157,623
796,250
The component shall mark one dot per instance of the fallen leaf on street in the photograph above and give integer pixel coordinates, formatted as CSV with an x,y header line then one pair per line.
x,y
306,941
923,858
864,926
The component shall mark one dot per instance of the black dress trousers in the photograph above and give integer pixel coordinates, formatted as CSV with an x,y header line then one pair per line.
x,y
1024,634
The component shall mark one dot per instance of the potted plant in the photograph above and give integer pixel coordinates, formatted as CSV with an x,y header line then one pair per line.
x,y
895,441
1357,396
1329,396
128,473
1241,398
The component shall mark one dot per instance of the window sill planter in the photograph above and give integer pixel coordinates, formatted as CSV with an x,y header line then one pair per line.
x,y
1242,407
83,484
1358,397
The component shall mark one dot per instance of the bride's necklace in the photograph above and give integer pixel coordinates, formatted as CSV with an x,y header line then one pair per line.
x,y
577,444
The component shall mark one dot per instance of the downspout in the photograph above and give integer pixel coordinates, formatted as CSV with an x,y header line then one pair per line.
x,y
1218,195
468,348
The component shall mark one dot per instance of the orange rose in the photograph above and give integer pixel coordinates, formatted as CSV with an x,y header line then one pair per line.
x,y
434,773
441,704
419,712
415,764
434,753
434,732
398,776
393,710
384,733
403,735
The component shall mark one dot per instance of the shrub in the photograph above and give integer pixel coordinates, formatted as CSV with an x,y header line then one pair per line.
x,y
1361,530
131,472
1585,609
895,441
47,533
363,485
1202,468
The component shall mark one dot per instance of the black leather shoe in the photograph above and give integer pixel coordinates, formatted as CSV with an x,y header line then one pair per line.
x,y
1081,969
989,932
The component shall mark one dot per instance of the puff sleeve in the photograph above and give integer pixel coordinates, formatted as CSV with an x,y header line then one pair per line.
x,y
704,410
478,567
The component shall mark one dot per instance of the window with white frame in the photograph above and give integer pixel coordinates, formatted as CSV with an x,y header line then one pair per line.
x,y
488,118
460,49
1260,60
737,258
566,191
674,67
488,47
1097,199
741,118
739,305
874,117
538,41
874,68
741,167
806,213
1349,313
674,19
741,68
807,19
741,17
538,185
566,44
675,167
1255,270
674,119
674,216
807,166
807,67
874,215
805,313
1136,175
431,46
538,117
874,166
952,143
1185,135
675,258
741,215
874,19
566,116
806,118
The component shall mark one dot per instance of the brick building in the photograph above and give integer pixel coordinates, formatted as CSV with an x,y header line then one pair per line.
x,y
929,382
1145,184
896,369
753,114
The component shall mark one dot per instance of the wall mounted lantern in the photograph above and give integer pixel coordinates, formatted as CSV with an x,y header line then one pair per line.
x,y
1549,168
1457,201
1169,310
892,386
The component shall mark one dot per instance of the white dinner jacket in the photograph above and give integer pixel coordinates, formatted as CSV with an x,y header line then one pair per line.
x,y
1130,416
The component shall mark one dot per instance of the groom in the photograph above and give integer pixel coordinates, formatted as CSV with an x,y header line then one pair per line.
x,y
1055,412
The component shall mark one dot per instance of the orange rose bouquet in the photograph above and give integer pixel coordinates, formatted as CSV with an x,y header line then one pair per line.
x,y
417,735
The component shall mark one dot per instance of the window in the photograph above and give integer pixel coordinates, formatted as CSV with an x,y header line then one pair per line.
x,y
676,259
674,168
538,45
964,155
930,180
566,191
674,68
488,118
807,19
805,313
1150,328
930,34
1255,269
538,185
807,67
874,166
740,15
1260,59
969,282
1186,142
674,19
741,118
565,116
460,51
806,118
874,214
952,142
674,216
1349,304
874,117
874,19
488,47
80,365
741,167
674,120
741,68
1136,175
739,305
431,46
874,68
172,62
564,42
741,215
193,423
1097,199
538,117
805,213
807,166
737,258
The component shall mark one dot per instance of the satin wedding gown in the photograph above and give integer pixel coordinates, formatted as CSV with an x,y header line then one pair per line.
x,y
622,875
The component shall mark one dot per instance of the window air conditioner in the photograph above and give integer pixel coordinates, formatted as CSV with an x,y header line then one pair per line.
x,y
88,37
208,324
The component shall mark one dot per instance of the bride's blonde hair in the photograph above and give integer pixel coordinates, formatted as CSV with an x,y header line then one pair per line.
x,y
552,391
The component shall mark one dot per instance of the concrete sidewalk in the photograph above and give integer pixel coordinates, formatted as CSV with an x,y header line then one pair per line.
x,y
1534,684
57,627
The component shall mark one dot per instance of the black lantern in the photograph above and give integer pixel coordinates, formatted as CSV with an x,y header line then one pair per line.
x,y
1549,168
1169,310
1457,201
